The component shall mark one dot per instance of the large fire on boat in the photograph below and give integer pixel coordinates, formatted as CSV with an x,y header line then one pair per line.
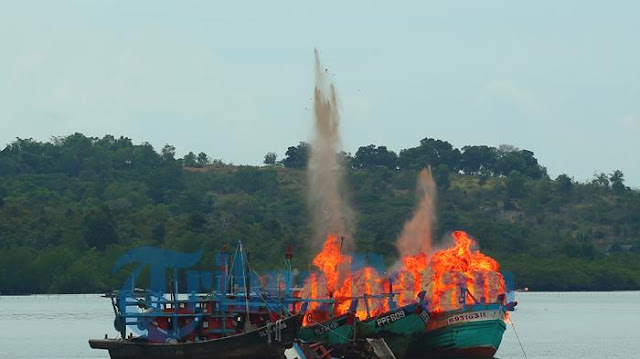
x,y
442,275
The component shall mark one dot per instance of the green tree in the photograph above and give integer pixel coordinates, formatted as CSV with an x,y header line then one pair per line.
x,y
564,184
297,156
483,176
372,156
512,159
189,160
476,158
100,228
75,151
168,152
61,229
270,158
144,157
601,180
202,159
515,184
431,152
164,180
442,177
617,181
159,232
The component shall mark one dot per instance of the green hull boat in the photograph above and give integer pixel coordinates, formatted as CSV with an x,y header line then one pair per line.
x,y
333,332
397,327
472,332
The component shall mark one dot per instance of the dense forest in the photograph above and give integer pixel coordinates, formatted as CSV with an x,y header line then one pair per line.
x,y
70,207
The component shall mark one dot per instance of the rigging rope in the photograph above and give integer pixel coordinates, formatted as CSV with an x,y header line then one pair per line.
x,y
517,337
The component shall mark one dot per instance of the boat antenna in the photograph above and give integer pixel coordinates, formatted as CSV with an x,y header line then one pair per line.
x,y
233,262
224,267
288,256
174,300
390,289
366,295
223,289
248,274
246,278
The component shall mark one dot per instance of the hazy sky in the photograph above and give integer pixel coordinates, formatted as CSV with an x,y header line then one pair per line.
x,y
235,79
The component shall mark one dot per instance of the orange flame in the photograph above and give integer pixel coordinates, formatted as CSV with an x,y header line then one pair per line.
x,y
458,275
461,268
334,269
415,265
367,285
401,286
329,260
314,290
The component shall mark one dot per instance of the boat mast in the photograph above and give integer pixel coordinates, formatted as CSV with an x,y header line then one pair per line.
x,y
223,289
247,285
367,284
174,303
288,255
390,294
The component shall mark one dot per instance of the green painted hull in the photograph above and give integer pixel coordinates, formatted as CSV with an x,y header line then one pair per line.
x,y
337,331
471,337
396,327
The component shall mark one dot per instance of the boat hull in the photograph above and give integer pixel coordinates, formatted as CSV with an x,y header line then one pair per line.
x,y
337,331
264,342
470,333
396,327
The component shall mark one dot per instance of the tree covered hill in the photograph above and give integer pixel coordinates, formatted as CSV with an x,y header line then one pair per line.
x,y
70,207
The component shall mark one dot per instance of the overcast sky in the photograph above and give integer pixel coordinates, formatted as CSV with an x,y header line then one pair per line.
x,y
234,79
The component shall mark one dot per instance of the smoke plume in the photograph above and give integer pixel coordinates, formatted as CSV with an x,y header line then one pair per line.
x,y
418,231
327,196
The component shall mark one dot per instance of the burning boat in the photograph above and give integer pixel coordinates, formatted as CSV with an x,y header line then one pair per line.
x,y
323,328
473,331
236,322
328,320
459,311
468,306
397,326
362,307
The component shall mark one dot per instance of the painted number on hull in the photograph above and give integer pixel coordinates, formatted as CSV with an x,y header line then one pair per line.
x,y
272,329
473,317
326,328
466,317
390,318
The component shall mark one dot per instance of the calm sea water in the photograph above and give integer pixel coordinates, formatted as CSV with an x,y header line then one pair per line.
x,y
550,325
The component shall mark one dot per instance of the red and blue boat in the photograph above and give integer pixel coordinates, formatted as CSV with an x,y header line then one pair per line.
x,y
237,322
